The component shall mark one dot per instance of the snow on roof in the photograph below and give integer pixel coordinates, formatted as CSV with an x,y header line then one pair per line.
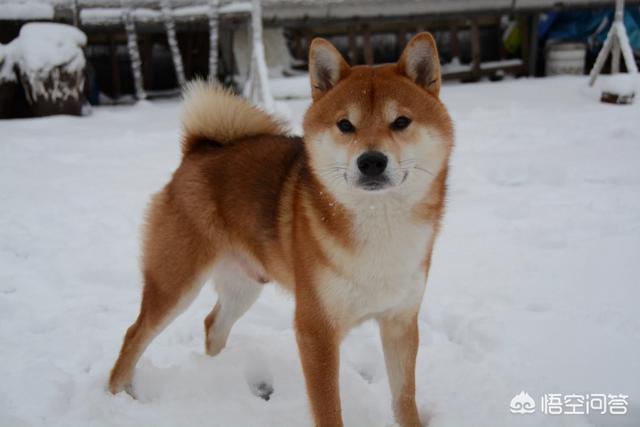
x,y
147,10
44,46
100,15
25,10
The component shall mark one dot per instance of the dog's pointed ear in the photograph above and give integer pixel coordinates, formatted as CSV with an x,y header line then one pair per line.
x,y
419,62
326,67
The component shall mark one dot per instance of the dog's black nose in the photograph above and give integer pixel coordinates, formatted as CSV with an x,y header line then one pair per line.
x,y
372,163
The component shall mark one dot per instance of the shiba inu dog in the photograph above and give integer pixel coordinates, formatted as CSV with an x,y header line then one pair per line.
x,y
345,218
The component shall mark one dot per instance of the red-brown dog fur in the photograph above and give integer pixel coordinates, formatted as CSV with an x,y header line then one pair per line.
x,y
249,204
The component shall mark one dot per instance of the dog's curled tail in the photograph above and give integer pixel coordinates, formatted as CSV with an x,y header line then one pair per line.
x,y
215,114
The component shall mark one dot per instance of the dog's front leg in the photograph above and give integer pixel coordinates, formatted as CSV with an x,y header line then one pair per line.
x,y
399,335
318,344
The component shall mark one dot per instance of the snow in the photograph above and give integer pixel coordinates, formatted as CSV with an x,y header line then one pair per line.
x,y
47,51
192,12
25,11
291,87
455,66
101,15
236,7
534,284
45,46
622,83
7,62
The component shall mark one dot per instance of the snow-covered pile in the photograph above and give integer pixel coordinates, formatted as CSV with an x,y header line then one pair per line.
x,y
41,48
51,61
7,62
44,46
25,10
620,84
533,287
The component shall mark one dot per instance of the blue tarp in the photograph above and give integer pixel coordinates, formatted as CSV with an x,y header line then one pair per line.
x,y
590,26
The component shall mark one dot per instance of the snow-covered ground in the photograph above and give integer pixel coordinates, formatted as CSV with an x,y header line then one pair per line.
x,y
535,283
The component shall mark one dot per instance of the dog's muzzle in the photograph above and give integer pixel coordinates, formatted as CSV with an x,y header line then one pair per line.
x,y
372,166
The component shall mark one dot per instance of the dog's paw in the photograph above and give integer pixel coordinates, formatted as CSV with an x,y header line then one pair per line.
x,y
115,388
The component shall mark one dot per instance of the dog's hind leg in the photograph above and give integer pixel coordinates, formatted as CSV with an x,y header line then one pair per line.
x,y
237,291
176,263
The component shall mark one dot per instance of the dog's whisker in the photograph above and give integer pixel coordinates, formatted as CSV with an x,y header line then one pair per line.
x,y
333,165
407,161
424,170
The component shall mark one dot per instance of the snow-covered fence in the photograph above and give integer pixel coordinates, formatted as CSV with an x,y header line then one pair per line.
x,y
134,52
213,39
257,87
170,26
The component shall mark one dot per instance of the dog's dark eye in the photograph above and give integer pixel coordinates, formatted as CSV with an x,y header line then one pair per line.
x,y
346,126
401,123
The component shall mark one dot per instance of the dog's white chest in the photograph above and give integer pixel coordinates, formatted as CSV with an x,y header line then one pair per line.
x,y
385,274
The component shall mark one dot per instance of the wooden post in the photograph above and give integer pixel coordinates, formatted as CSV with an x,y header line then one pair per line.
x,y
146,53
298,46
455,42
526,42
190,55
366,44
533,45
353,47
115,69
308,38
476,54
401,41
76,14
